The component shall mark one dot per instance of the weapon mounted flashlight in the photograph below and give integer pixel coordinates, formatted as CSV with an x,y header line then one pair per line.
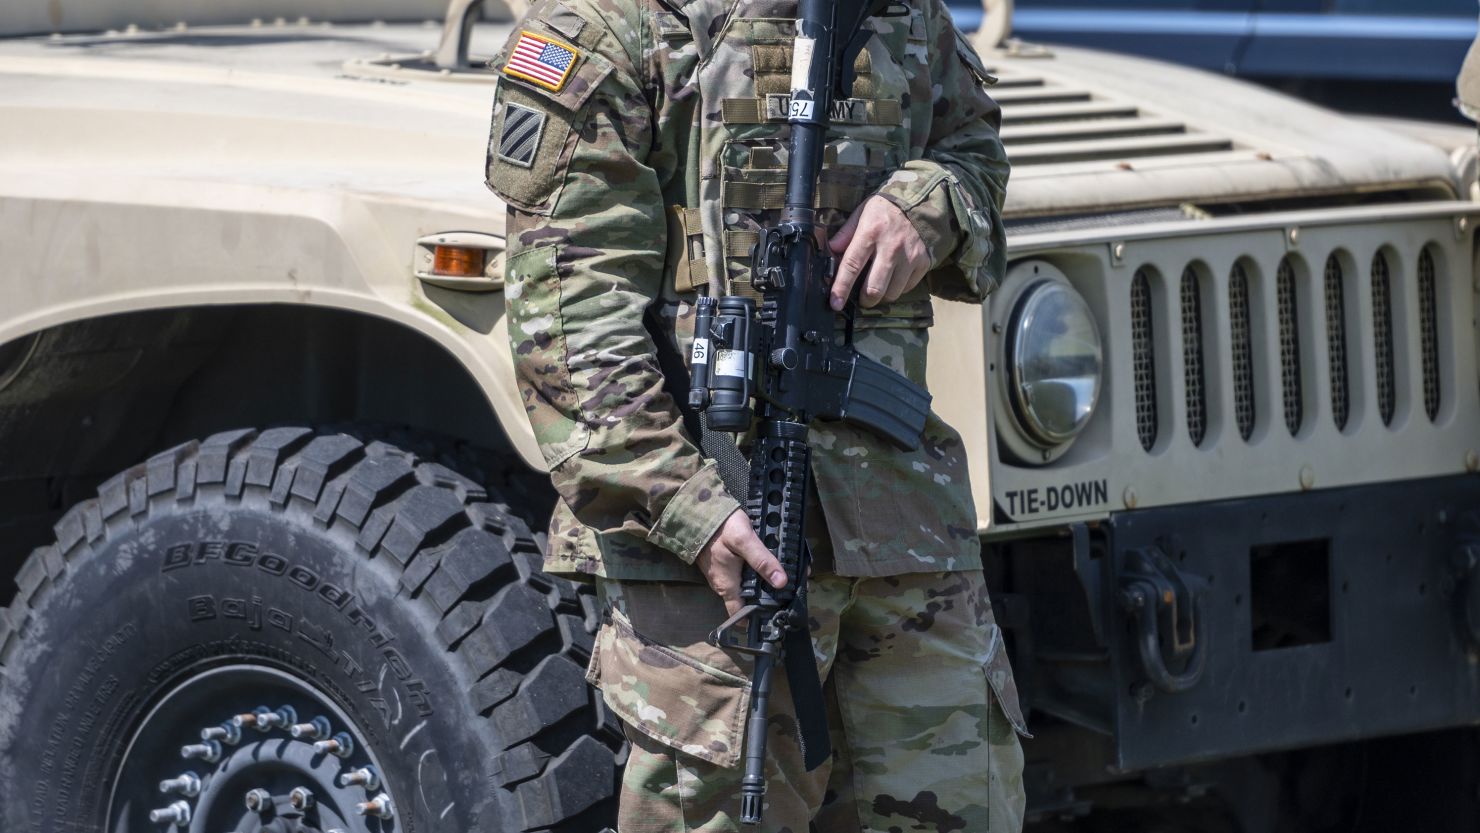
x,y
720,362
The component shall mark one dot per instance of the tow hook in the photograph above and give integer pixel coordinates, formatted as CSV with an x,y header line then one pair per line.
x,y
1163,606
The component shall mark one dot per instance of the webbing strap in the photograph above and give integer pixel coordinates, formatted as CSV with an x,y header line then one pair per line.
x,y
686,249
776,57
765,196
739,243
855,155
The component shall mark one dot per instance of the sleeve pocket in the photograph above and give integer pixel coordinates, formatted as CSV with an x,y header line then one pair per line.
x,y
533,134
1004,688
669,696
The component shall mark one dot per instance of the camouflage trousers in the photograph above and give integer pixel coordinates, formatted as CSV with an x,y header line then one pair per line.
x,y
921,704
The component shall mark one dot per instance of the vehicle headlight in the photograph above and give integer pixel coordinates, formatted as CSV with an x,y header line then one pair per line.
x,y
1055,360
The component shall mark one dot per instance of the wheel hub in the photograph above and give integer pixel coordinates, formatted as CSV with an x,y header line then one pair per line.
x,y
249,749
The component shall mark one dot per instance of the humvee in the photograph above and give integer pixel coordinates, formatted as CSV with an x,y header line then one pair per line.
x,y
270,509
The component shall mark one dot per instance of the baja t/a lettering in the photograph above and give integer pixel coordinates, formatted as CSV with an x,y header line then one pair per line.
x,y
782,363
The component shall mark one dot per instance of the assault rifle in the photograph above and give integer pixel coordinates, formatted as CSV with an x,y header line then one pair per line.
x,y
788,358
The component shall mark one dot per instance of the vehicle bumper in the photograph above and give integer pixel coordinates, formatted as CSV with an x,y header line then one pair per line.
x,y
1328,616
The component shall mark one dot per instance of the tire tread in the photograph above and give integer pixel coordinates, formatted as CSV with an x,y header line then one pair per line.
x,y
470,558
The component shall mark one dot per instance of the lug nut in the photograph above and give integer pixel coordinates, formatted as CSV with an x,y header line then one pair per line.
x,y
379,807
301,798
228,733
268,719
208,751
312,730
177,814
259,800
186,784
365,777
248,719
341,744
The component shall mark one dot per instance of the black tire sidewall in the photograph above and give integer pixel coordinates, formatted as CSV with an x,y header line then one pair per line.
x,y
188,587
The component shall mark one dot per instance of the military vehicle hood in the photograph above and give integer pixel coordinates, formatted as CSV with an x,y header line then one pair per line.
x,y
306,104
1102,132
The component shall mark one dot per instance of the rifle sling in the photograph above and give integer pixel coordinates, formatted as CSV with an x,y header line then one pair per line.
x,y
805,681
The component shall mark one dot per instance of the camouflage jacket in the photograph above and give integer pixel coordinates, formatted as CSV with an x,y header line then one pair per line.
x,y
639,145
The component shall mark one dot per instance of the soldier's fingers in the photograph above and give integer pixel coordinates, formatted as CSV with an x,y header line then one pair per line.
x,y
887,268
860,250
721,570
839,242
904,280
726,584
761,560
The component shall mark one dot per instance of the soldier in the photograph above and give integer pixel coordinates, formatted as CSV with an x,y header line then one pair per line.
x,y
640,146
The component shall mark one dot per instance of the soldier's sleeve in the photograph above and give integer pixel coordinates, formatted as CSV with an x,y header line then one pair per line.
x,y
953,194
570,135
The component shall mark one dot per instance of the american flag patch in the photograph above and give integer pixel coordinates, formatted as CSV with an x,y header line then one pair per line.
x,y
541,60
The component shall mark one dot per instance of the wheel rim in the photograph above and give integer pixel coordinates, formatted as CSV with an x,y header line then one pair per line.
x,y
218,754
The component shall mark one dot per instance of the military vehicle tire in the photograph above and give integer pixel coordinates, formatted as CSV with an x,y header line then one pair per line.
x,y
392,604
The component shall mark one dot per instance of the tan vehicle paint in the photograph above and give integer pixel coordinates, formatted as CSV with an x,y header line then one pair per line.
x,y
218,215
299,160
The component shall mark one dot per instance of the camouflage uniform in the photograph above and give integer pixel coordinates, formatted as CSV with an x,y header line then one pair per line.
x,y
640,145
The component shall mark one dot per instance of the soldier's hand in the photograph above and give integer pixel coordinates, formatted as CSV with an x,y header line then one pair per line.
x,y
878,231
734,546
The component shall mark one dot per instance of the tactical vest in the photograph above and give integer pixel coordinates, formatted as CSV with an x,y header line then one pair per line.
x,y
744,78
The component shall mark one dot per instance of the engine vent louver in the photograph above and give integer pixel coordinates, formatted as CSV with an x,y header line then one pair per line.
x,y
1382,337
1192,357
1336,342
1243,351
1047,123
1289,345
1428,327
1144,359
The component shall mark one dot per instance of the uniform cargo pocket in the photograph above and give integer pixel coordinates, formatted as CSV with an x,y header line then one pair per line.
x,y
668,695
1004,688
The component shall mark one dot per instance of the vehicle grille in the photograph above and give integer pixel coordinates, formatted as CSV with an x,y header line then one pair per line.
x,y
1382,336
1289,345
1243,351
1247,356
1143,355
1192,356
1428,329
1267,336
1336,342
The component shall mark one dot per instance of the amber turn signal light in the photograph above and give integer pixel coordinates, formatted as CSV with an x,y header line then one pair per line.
x,y
462,261
458,261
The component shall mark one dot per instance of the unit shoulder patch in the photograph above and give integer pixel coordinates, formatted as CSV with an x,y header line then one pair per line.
x,y
520,136
542,61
